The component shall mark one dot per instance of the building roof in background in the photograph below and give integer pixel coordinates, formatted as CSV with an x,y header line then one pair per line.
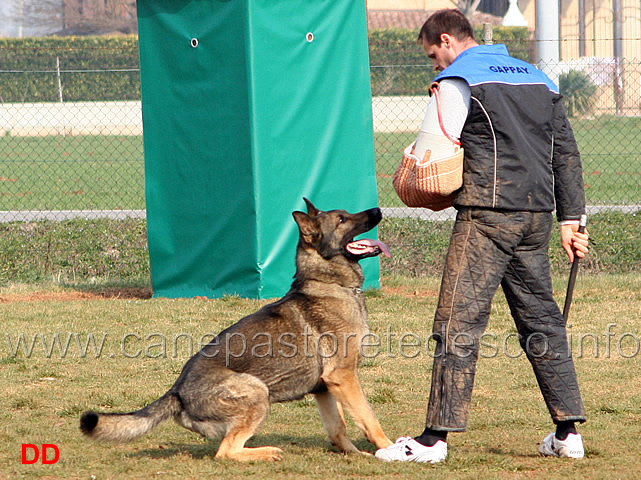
x,y
414,19
396,19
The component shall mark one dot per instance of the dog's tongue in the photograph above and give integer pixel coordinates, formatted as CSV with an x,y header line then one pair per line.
x,y
358,247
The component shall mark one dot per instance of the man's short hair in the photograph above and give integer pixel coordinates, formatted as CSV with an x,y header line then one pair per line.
x,y
450,21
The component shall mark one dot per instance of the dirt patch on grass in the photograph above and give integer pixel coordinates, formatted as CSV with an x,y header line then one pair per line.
x,y
75,295
409,292
144,293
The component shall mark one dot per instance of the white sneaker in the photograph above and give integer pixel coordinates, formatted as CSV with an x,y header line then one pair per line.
x,y
406,449
571,447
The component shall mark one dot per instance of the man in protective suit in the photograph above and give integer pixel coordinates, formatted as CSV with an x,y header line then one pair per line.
x,y
521,163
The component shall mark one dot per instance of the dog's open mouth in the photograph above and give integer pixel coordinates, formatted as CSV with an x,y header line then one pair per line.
x,y
367,247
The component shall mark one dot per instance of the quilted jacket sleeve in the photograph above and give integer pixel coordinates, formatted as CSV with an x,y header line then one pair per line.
x,y
566,166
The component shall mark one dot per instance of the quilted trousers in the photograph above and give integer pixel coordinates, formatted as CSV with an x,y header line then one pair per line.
x,y
489,248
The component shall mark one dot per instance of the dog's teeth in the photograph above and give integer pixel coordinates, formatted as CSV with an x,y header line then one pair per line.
x,y
367,244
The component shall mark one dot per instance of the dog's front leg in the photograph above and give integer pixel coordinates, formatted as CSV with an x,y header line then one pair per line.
x,y
334,422
343,384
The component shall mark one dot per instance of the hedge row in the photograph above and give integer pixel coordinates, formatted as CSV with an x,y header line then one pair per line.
x,y
105,68
399,65
97,68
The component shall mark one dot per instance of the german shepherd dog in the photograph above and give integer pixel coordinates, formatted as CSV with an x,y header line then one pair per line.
x,y
306,342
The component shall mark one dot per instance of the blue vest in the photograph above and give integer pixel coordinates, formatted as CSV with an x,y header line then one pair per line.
x,y
492,63
520,153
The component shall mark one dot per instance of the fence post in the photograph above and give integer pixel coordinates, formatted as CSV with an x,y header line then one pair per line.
x,y
547,14
488,34
617,29
59,81
64,126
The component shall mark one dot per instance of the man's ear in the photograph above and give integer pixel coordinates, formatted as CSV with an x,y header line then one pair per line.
x,y
308,227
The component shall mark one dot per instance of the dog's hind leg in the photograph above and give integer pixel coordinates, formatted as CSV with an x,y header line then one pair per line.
x,y
245,405
334,422
344,386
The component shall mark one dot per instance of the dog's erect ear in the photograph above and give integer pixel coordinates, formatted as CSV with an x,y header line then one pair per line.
x,y
311,209
308,226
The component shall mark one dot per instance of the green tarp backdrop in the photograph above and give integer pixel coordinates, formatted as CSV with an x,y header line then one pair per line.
x,y
248,106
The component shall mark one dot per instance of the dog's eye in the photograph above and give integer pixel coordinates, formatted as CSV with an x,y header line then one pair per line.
x,y
341,219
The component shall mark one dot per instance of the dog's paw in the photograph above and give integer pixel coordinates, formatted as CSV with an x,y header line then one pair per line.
x,y
256,454
271,454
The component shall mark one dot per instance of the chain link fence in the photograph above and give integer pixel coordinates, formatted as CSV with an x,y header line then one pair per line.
x,y
65,155
70,131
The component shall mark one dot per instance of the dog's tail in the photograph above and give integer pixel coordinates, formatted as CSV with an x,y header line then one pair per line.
x,y
123,427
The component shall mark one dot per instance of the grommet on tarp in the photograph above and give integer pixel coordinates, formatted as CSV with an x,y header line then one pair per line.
x,y
194,42
309,37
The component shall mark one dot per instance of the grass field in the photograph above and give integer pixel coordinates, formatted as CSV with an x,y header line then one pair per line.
x,y
81,251
85,172
45,390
